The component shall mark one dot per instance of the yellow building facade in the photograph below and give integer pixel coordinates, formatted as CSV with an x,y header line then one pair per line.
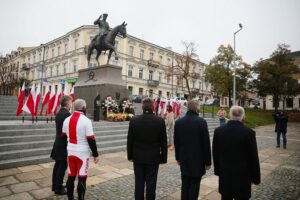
x,y
144,65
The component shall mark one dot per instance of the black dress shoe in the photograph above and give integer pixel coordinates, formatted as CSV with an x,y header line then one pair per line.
x,y
63,191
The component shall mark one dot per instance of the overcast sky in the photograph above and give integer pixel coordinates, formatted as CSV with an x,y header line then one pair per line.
x,y
166,23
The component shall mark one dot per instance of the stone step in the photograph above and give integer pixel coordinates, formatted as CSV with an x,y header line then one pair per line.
x,y
46,158
49,142
43,137
46,150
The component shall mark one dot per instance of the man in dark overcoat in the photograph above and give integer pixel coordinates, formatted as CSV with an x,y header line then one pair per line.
x,y
59,150
235,157
192,150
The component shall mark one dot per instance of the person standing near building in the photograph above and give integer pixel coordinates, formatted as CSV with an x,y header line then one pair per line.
x,y
222,115
79,131
235,157
170,126
192,150
146,148
59,150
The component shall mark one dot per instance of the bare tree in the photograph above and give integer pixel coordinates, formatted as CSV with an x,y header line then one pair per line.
x,y
183,68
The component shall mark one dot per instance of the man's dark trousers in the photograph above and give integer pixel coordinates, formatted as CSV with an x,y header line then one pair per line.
x,y
59,169
145,173
190,187
235,198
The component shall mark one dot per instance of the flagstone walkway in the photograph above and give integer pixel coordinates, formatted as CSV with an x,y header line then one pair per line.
x,y
113,177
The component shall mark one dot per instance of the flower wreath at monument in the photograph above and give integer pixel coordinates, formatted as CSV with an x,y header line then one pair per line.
x,y
114,112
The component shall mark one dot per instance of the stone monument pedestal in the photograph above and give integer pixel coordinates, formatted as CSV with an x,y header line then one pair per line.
x,y
104,80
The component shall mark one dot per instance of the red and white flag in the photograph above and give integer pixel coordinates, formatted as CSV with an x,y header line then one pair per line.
x,y
167,103
29,104
155,106
57,99
21,98
45,98
37,99
72,94
178,110
161,107
51,100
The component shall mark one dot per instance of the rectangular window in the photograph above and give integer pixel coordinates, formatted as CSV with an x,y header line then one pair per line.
x,y
75,66
142,53
289,102
159,76
131,49
34,59
58,51
52,53
130,69
116,45
141,73
150,75
40,57
57,70
150,93
130,89
159,93
151,56
75,44
141,91
168,94
66,48
161,60
65,68
169,62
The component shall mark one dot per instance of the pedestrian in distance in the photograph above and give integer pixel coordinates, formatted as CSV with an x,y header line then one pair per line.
x,y
192,150
146,148
79,131
222,116
281,127
170,127
59,150
235,157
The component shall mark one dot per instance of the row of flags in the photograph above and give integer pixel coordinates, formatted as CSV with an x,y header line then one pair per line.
x,y
50,98
161,107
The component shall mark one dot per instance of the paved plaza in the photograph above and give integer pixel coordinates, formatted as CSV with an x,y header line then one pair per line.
x,y
113,177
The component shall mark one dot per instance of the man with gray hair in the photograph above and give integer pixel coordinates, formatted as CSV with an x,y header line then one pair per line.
x,y
79,131
192,150
235,157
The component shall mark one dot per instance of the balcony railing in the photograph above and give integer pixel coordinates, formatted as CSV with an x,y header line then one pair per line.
x,y
195,90
25,66
152,63
195,75
153,83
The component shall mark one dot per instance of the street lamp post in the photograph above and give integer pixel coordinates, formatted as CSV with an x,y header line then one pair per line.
x,y
234,64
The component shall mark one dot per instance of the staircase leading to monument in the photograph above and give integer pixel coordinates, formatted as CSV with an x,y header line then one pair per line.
x,y
26,143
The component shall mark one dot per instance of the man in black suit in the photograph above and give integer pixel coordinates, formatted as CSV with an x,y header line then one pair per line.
x,y
235,157
192,150
147,148
59,150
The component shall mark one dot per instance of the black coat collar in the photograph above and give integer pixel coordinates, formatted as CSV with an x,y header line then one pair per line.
x,y
234,122
191,112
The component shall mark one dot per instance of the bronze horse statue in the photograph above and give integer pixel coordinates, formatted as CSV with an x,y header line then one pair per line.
x,y
106,42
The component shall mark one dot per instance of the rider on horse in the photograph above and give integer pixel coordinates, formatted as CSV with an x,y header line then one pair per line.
x,y
103,26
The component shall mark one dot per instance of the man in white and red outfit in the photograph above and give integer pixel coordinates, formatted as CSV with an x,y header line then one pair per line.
x,y
79,130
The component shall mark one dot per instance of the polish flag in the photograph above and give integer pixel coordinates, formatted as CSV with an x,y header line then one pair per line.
x,y
51,100
57,99
178,110
29,104
161,107
165,108
45,98
174,106
72,94
155,106
21,98
37,99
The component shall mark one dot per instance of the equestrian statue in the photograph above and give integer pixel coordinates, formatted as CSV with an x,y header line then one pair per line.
x,y
105,39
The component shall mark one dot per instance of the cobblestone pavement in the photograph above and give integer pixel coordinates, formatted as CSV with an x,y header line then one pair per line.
x,y
113,178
